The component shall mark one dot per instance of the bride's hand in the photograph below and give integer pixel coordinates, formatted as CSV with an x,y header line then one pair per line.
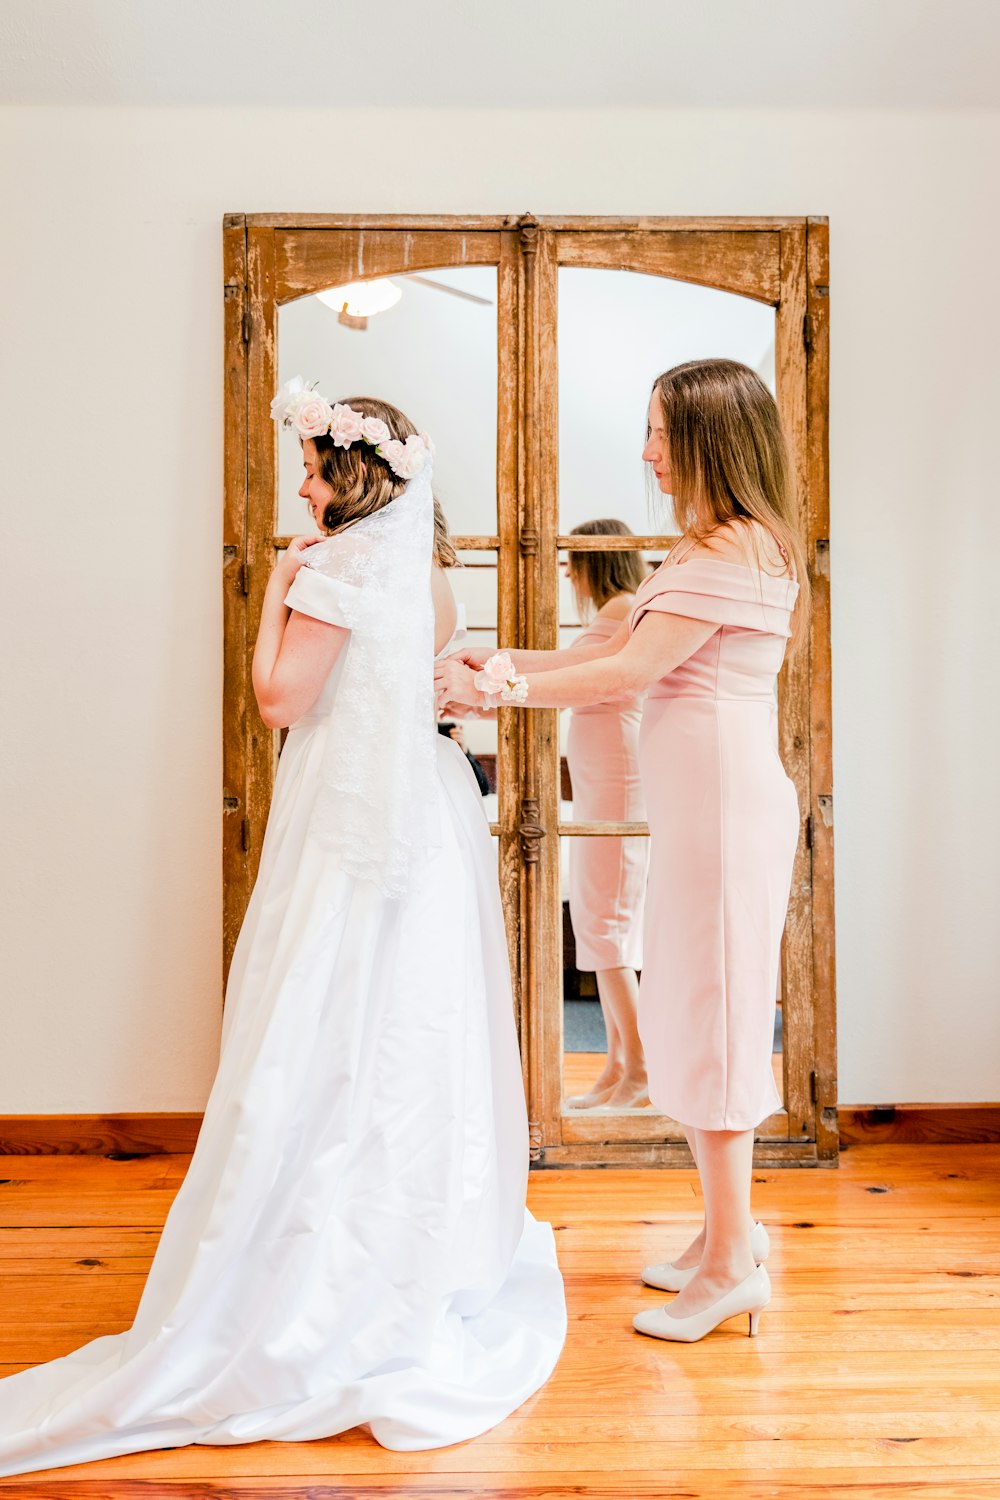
x,y
453,682
472,657
290,561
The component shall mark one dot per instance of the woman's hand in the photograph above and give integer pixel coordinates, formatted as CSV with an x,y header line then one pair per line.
x,y
453,681
474,657
290,561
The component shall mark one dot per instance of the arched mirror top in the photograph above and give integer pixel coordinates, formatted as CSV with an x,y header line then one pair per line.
x,y
739,261
307,261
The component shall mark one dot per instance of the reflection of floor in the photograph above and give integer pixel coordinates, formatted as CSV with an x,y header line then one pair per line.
x,y
583,1027
581,1068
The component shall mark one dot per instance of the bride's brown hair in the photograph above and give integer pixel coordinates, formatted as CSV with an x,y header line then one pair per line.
x,y
729,462
362,481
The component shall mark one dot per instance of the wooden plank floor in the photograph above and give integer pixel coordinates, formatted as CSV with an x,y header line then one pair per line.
x,y
876,1372
581,1068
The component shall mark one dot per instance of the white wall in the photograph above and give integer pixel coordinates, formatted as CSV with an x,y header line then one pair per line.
x,y
112,443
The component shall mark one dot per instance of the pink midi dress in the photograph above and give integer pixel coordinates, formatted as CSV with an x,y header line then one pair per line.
x,y
607,875
724,825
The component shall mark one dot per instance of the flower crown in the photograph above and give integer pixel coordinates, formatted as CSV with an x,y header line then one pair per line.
x,y
302,407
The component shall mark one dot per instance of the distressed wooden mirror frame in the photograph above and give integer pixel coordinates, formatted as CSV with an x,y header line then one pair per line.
x,y
270,259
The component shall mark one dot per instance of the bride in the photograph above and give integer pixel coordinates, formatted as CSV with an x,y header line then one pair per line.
x,y
350,1245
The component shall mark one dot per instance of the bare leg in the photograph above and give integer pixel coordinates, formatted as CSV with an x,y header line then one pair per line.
x,y
725,1163
622,1083
692,1255
619,992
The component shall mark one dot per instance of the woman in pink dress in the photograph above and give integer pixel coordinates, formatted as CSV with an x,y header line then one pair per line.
x,y
607,876
705,641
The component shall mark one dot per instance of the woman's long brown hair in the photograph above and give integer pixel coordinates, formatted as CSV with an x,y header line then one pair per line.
x,y
604,575
729,462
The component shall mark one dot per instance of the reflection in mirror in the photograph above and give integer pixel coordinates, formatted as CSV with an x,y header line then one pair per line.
x,y
618,330
605,876
474,584
433,353
588,1050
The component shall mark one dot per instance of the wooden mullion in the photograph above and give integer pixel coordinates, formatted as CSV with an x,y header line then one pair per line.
x,y
509,727
234,528
544,723
821,739
604,830
608,543
460,543
794,706
261,522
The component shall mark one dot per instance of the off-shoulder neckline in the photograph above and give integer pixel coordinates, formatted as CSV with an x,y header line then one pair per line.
x,y
723,563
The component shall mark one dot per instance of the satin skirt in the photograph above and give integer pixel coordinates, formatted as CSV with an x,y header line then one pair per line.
x,y
350,1246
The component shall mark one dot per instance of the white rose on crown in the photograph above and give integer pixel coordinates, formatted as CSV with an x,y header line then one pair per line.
x,y
288,399
411,458
374,430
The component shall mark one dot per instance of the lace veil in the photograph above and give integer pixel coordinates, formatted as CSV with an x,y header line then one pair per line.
x,y
376,809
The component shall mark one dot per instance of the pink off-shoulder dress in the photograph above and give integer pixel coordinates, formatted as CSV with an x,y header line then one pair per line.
x,y
724,824
607,875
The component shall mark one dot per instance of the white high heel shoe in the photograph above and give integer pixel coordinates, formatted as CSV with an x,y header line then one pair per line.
x,y
670,1278
749,1296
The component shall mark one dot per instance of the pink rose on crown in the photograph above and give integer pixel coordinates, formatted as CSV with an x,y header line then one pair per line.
x,y
374,430
345,426
311,416
495,674
392,452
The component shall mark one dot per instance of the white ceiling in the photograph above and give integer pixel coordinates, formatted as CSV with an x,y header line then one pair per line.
x,y
503,53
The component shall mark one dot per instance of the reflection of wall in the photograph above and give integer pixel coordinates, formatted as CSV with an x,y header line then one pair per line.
x,y
617,332
432,355
111,912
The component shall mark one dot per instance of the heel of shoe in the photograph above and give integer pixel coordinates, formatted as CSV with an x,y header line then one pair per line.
x,y
755,1322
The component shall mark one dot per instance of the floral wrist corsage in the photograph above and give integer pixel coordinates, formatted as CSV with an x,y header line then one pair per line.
x,y
498,681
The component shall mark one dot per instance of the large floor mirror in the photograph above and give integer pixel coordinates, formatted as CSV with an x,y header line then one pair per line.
x,y
528,348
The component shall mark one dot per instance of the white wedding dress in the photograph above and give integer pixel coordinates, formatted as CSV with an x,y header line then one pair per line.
x,y
350,1245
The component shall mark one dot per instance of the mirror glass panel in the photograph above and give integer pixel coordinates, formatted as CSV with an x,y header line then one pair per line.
x,y
618,330
432,353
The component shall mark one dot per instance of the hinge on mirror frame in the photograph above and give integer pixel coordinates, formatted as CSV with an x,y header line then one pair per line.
x,y
528,225
531,830
534,1141
528,542
245,835
807,332
247,324
813,1088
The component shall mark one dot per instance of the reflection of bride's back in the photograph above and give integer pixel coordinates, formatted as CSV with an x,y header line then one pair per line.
x,y
350,1244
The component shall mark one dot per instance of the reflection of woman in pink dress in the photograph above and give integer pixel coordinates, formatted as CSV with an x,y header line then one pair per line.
x,y
607,876
705,641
